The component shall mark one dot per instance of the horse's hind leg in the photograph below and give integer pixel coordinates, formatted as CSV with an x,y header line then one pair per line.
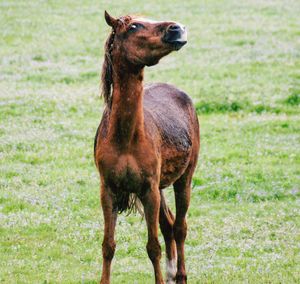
x,y
166,221
182,189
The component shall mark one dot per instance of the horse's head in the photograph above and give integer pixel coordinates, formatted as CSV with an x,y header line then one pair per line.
x,y
142,42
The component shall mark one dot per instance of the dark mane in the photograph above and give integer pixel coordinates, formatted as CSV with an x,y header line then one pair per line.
x,y
107,69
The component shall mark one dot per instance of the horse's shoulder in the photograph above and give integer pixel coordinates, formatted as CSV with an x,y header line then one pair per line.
x,y
102,128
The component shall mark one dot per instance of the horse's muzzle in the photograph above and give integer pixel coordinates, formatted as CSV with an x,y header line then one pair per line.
x,y
176,36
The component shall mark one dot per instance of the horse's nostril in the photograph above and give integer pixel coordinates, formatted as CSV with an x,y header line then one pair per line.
x,y
174,28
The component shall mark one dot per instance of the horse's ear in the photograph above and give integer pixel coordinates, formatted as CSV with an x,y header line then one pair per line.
x,y
110,20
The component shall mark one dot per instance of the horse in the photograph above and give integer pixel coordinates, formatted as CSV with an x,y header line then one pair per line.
x,y
147,140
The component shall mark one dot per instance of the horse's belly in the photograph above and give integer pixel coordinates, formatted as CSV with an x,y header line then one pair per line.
x,y
174,165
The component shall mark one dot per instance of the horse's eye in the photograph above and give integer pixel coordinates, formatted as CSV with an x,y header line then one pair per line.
x,y
135,26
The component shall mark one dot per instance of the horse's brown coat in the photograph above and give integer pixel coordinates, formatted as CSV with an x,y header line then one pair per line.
x,y
148,139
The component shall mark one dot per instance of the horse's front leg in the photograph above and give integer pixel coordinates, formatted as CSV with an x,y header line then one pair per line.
x,y
151,203
108,245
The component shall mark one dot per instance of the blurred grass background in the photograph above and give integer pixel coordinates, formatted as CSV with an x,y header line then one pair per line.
x,y
241,67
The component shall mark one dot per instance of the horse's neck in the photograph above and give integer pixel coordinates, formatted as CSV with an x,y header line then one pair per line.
x,y
127,117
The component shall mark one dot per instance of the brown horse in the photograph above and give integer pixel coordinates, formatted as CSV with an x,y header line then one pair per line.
x,y
148,139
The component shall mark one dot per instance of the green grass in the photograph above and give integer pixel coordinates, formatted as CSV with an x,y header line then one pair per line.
x,y
242,68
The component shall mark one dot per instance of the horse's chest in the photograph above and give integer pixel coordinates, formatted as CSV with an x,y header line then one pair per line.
x,y
126,174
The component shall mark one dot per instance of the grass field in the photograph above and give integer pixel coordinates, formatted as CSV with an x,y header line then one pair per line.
x,y
242,68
